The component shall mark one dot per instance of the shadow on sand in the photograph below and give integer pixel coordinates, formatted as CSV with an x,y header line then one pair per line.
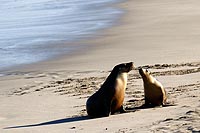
x,y
54,122
133,109
78,118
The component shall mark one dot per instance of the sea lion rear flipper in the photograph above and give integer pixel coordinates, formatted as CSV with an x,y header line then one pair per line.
x,y
147,102
122,110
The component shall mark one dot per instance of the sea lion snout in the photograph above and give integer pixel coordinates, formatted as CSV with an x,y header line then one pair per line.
x,y
130,65
141,71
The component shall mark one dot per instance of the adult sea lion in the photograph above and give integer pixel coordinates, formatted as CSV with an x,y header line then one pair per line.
x,y
154,91
109,98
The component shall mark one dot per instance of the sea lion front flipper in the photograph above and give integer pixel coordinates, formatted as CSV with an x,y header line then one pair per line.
x,y
106,109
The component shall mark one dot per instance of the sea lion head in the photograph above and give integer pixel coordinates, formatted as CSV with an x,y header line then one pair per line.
x,y
144,73
124,67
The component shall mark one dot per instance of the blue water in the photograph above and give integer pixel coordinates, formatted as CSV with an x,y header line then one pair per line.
x,y
33,30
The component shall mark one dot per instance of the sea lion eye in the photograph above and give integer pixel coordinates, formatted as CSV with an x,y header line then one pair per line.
x,y
147,71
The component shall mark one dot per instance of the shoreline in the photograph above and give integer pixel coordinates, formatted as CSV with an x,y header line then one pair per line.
x,y
85,45
73,26
129,40
50,96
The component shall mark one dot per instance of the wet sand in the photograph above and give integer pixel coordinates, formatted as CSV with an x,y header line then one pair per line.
x,y
160,35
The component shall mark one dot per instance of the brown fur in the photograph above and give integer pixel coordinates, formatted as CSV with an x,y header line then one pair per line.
x,y
154,92
109,98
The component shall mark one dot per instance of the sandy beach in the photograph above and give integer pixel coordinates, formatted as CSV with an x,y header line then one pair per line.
x,y
163,36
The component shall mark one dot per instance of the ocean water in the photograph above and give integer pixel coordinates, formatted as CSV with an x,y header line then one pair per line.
x,y
32,30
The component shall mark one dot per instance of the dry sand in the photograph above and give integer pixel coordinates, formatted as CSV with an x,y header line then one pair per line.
x,y
161,35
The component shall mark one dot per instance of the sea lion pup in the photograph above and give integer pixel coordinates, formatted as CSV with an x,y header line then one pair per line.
x,y
109,98
154,92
